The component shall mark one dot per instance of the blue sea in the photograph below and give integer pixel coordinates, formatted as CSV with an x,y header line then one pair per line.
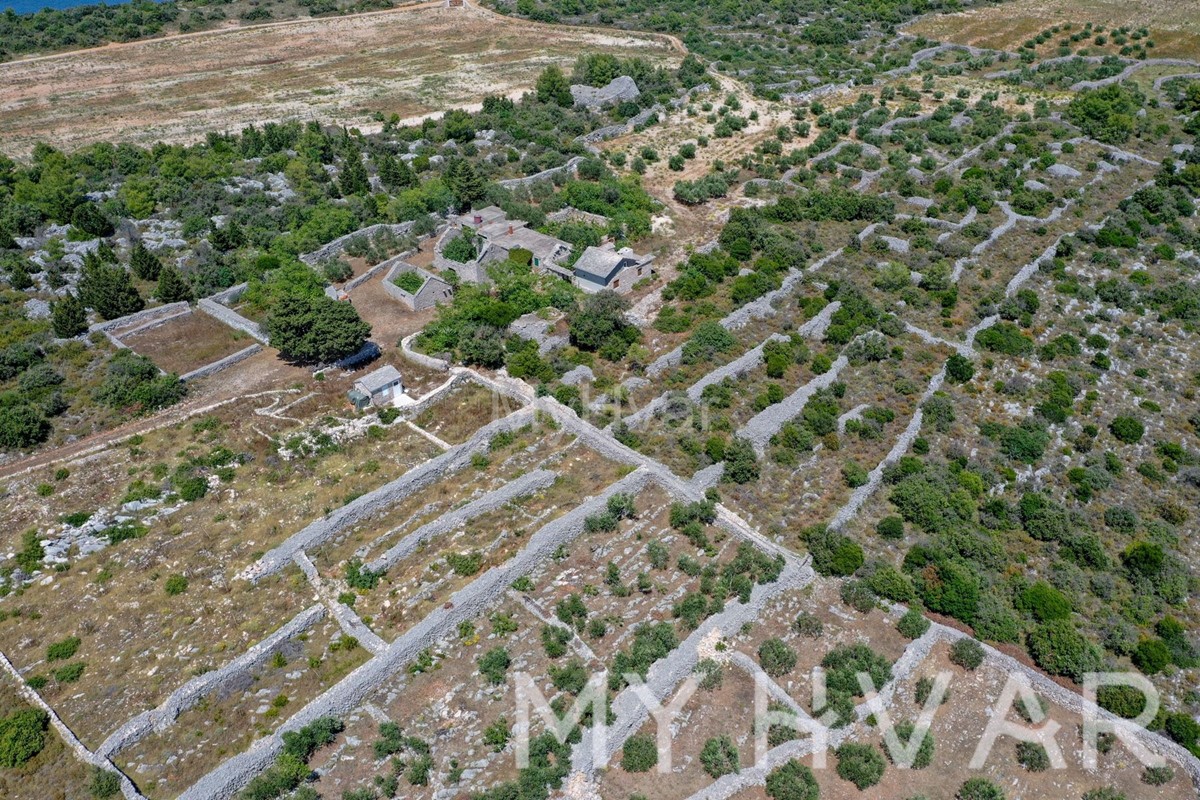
x,y
30,6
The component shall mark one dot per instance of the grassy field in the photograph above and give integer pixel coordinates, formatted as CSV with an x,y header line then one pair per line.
x,y
1173,24
410,62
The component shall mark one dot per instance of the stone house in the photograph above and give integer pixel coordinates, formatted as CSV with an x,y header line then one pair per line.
x,y
605,267
420,291
379,388
496,236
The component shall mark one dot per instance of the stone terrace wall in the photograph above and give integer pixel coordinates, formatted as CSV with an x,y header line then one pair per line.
x,y
192,692
220,364
544,175
320,531
469,602
233,319
420,358
526,484
336,247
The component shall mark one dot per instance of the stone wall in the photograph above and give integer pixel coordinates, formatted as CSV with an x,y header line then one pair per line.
x,y
192,692
128,790
526,484
380,499
233,319
471,601
545,175
143,316
336,247
220,364
420,358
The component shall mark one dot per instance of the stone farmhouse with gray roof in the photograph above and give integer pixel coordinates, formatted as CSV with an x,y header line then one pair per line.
x,y
497,236
605,267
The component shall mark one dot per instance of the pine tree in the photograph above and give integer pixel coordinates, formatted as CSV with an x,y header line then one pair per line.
x,y
172,288
394,173
552,87
144,264
353,178
68,316
465,182
108,289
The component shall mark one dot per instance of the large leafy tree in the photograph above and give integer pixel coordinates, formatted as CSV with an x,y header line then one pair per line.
x,y
316,330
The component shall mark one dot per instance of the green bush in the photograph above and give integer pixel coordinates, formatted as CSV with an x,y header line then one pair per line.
x,y
175,585
1151,656
905,731
719,756
792,781
967,653
1127,429
1032,756
860,764
1043,602
104,784
833,553
1060,649
494,664
69,673
776,657
979,789
913,624
1157,776
639,753
22,736
61,651
891,527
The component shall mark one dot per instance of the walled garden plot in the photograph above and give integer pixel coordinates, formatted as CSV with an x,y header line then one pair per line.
x,y
251,705
187,342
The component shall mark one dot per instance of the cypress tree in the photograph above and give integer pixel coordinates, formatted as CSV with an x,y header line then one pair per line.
x,y
68,316
172,288
144,263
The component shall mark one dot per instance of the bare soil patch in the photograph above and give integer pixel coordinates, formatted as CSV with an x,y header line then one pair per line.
x,y
340,70
188,342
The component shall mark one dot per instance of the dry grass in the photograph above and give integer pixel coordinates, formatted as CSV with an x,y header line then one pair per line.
x,y
410,62
1174,24
188,342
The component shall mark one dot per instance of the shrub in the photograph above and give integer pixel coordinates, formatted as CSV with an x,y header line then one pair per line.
x,y
979,789
913,624
959,369
891,527
104,784
1060,649
1043,602
175,585
719,756
1032,756
905,731
858,595
639,753
494,664
22,736
1127,429
1151,656
1157,776
833,553
1124,701
70,673
967,653
792,781
860,764
61,651
808,624
776,657
1103,793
